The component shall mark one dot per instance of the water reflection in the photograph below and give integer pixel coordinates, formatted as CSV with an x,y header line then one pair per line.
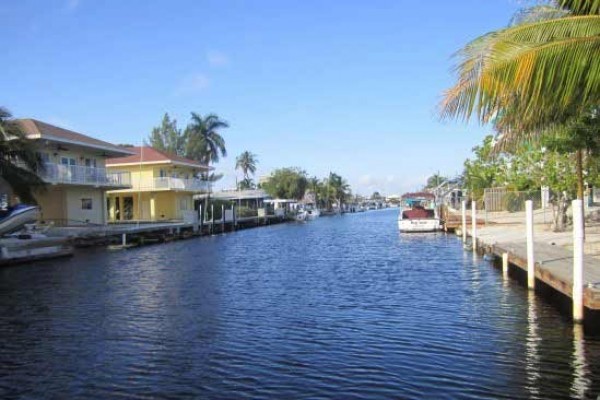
x,y
581,382
532,366
340,308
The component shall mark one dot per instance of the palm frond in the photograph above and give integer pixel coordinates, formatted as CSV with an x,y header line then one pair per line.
x,y
530,68
581,7
537,13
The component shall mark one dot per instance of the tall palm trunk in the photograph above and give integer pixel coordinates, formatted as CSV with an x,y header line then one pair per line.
x,y
580,189
579,166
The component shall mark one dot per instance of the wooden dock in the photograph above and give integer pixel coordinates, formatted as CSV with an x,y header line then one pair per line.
x,y
553,266
24,248
132,234
553,252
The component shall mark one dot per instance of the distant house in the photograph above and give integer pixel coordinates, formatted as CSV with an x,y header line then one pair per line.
x,y
74,168
163,186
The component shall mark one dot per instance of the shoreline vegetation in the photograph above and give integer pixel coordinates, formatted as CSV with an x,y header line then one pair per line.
x,y
536,82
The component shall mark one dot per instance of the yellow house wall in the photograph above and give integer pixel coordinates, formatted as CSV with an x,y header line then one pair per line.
x,y
143,177
63,204
75,212
152,206
52,203
63,201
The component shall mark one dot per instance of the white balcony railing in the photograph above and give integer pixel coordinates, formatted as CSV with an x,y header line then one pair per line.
x,y
167,183
81,175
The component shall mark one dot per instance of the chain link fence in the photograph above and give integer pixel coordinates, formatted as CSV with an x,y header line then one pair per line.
x,y
500,201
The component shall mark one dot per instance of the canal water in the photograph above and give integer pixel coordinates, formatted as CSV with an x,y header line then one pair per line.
x,y
339,308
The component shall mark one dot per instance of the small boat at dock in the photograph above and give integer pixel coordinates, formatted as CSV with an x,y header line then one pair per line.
x,y
22,241
418,213
13,218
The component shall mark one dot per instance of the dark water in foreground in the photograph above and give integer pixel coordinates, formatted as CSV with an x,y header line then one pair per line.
x,y
343,308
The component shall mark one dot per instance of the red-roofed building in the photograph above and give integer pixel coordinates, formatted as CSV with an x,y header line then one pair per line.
x,y
74,168
162,188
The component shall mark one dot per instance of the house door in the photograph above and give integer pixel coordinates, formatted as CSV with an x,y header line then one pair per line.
x,y
117,208
91,174
127,208
67,169
146,210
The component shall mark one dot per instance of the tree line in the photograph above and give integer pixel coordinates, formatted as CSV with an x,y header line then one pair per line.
x,y
295,183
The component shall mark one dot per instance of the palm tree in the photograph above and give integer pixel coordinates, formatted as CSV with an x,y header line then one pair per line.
x,y
338,187
18,160
247,163
315,186
203,141
541,70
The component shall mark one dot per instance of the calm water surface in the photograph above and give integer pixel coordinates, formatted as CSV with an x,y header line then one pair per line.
x,y
344,307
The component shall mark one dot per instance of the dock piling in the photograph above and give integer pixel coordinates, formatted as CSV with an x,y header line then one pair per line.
x,y
464,221
124,239
505,265
222,218
474,225
233,222
530,253
578,235
212,219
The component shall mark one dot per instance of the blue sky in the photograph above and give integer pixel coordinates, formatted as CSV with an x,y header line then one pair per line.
x,y
344,86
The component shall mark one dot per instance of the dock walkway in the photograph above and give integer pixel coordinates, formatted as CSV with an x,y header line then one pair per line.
x,y
553,263
553,252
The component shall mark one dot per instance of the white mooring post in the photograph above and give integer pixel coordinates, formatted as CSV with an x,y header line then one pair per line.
x,y
578,260
530,254
212,218
124,239
201,213
233,223
464,221
505,265
222,218
474,224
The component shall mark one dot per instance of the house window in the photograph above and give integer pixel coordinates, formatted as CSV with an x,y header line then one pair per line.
x,y
162,173
86,204
183,204
45,157
68,161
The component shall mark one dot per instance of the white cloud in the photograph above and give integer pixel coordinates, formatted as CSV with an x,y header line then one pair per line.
x,y
217,59
194,83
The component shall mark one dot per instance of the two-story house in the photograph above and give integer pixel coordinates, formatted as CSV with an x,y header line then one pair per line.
x,y
74,168
162,186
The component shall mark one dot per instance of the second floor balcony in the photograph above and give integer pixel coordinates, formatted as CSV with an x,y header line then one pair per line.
x,y
82,175
170,183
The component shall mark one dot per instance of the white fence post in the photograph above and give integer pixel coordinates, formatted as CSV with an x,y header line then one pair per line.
x,y
578,260
530,253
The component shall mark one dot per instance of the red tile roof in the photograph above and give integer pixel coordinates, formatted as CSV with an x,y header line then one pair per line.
x,y
147,154
35,129
422,195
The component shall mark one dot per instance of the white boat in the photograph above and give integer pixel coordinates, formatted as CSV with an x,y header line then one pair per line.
x,y
301,216
22,241
14,218
312,212
418,213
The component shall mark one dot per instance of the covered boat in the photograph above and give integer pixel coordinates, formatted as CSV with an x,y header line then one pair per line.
x,y
418,213
13,218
